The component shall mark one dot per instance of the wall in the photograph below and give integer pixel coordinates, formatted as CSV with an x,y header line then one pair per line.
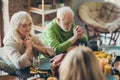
x,y
5,16
13,6
9,8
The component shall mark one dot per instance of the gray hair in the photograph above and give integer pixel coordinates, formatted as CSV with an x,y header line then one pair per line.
x,y
64,10
17,19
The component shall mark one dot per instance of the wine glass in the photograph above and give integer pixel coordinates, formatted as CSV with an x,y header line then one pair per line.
x,y
99,43
36,65
113,58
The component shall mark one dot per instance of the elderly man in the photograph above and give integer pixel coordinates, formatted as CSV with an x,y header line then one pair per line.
x,y
61,33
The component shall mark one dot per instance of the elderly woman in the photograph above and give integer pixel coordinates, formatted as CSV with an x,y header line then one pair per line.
x,y
21,44
80,64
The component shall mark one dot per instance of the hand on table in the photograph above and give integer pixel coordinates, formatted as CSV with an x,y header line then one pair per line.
x,y
56,61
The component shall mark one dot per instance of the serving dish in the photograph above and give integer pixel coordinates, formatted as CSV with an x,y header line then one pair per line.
x,y
113,49
45,64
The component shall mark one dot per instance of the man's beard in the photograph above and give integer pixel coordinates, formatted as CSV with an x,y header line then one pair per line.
x,y
64,29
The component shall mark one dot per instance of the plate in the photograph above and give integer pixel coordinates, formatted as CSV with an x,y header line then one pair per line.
x,y
113,49
109,77
45,64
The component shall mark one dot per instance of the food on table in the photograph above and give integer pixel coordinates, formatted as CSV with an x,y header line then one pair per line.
x,y
101,54
52,78
103,62
116,77
107,69
104,59
35,78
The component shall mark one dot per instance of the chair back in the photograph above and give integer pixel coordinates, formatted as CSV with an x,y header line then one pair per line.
x,y
101,16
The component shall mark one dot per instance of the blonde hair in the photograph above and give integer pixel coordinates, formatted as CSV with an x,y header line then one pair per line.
x,y
80,64
17,19
64,10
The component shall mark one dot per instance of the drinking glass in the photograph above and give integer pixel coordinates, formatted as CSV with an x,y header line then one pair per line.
x,y
99,43
36,65
113,58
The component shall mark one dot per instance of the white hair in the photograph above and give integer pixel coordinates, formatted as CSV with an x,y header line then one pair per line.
x,y
64,10
17,19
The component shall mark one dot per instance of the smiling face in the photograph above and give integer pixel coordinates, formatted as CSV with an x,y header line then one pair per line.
x,y
66,22
25,28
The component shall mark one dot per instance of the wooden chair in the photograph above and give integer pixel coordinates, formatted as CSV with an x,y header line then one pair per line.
x,y
101,18
8,77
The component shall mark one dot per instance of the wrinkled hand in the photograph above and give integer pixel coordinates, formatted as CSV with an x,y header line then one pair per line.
x,y
56,61
78,32
27,42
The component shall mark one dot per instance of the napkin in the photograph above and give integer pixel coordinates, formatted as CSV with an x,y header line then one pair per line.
x,y
34,71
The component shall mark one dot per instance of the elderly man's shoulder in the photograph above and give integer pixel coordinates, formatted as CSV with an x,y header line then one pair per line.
x,y
50,27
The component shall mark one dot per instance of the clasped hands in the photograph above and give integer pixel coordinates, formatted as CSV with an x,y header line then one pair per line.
x,y
27,42
78,32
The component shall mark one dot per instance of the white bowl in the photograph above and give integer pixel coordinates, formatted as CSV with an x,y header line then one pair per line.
x,y
117,65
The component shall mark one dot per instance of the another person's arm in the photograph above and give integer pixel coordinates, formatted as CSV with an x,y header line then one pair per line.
x,y
37,44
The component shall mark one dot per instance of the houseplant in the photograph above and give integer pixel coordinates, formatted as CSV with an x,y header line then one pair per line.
x,y
62,3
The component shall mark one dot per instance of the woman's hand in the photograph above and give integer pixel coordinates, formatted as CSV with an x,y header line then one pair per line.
x,y
28,45
27,42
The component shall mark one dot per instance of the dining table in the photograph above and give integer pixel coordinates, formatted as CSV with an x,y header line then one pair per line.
x,y
45,68
44,71
111,49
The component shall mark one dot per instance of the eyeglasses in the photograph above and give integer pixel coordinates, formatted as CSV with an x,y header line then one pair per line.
x,y
66,23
